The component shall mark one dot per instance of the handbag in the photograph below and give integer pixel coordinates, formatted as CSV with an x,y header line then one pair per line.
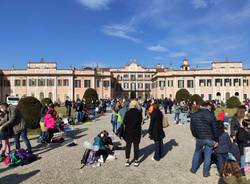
x,y
165,122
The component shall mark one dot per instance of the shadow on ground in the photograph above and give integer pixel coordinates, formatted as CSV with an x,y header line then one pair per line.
x,y
148,150
17,178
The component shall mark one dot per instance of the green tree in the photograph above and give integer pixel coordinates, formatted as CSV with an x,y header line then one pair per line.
x,y
90,95
196,98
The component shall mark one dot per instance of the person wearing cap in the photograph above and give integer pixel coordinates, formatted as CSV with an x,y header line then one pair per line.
x,y
132,134
204,128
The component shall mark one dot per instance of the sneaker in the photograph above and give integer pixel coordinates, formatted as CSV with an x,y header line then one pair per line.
x,y
136,164
111,157
153,158
101,159
127,163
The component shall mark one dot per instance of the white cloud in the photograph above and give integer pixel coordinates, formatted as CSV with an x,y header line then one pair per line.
x,y
199,3
157,48
95,4
121,31
177,54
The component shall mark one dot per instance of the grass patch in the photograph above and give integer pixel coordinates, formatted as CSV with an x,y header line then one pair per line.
x,y
36,131
62,111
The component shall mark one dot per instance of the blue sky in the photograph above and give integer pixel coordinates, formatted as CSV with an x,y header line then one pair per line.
x,y
111,32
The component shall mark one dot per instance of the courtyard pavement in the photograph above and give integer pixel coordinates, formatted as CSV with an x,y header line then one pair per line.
x,y
61,164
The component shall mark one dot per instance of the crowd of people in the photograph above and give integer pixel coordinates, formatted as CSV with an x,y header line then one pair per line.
x,y
216,144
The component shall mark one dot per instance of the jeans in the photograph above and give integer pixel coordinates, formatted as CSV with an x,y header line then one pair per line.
x,y
136,150
158,150
203,147
242,161
177,117
114,126
221,158
23,134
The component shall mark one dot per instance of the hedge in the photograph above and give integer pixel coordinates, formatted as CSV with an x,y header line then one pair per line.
x,y
182,94
30,108
233,102
90,95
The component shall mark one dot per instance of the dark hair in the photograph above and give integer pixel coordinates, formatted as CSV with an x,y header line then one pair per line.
x,y
156,105
221,125
206,104
231,167
245,123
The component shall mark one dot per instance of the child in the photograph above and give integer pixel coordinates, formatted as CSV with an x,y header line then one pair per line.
x,y
50,124
177,113
114,118
231,174
224,146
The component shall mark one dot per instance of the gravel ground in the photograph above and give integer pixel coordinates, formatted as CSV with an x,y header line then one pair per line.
x,y
61,164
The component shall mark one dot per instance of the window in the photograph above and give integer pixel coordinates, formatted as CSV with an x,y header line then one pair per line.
x,y
59,82
66,82
227,82
180,83
140,76
218,82
147,76
6,83
32,82
162,84
17,82
41,95
106,84
87,83
140,85
209,96
126,85
77,83
171,83
147,86
50,95
24,82
97,83
245,96
50,82
245,82
133,77
41,82
209,82
190,83
125,76
202,82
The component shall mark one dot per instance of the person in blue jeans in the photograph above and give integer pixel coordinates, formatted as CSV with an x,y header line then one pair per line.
x,y
204,128
16,121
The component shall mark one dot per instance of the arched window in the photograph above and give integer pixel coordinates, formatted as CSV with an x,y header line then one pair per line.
x,y
50,95
41,95
236,94
218,94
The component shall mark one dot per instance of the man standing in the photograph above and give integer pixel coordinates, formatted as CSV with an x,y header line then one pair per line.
x,y
132,134
68,105
15,120
204,129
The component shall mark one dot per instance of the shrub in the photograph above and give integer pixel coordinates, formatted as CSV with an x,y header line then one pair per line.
x,y
196,98
30,108
233,102
182,94
90,95
46,101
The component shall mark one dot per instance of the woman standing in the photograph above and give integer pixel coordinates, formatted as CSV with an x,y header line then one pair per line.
x,y
4,136
156,132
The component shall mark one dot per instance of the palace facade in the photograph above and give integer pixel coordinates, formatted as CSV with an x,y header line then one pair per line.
x,y
44,79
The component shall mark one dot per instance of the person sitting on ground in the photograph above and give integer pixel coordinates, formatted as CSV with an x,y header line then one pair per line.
x,y
224,146
231,174
50,122
105,145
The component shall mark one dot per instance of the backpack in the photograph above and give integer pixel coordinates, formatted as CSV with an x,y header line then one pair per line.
x,y
57,140
91,158
85,157
25,156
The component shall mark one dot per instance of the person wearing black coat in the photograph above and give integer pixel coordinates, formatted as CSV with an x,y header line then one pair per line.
x,y
156,132
205,129
132,134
